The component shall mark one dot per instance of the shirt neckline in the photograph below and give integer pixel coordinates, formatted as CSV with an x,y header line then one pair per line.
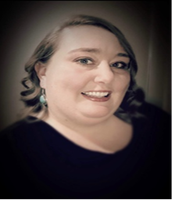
x,y
59,144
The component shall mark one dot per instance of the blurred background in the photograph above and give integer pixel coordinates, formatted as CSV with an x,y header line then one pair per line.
x,y
145,24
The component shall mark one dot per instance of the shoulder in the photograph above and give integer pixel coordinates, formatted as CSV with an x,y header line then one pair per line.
x,y
154,131
151,110
17,130
155,117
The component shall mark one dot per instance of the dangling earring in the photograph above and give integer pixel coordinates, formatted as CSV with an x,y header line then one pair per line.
x,y
42,98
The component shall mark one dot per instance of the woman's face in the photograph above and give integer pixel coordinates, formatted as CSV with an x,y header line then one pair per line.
x,y
87,77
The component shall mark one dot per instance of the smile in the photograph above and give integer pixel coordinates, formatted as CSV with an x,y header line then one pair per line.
x,y
97,95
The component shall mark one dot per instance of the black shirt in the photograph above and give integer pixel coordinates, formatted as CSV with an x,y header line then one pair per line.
x,y
39,162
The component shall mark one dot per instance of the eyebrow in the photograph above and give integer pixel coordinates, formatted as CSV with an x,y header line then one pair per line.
x,y
95,50
123,55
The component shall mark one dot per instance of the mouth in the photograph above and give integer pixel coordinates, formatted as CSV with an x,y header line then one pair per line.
x,y
97,95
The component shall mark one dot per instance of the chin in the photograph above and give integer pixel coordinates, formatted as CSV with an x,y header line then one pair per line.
x,y
101,113
98,111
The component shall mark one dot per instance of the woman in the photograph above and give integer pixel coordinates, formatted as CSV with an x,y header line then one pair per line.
x,y
84,133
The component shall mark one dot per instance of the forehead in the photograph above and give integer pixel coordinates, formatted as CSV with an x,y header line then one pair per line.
x,y
88,36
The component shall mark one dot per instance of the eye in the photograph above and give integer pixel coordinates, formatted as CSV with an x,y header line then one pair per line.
x,y
121,65
85,61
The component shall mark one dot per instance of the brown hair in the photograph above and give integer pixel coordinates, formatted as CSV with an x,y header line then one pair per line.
x,y
48,46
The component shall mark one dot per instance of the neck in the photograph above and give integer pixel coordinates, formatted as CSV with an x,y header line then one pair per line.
x,y
106,136
90,127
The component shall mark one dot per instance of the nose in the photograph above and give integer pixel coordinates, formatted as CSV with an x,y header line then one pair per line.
x,y
104,74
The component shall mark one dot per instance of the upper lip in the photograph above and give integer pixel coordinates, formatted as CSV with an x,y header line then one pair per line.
x,y
97,91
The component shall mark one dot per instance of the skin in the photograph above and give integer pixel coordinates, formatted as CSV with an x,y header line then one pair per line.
x,y
72,71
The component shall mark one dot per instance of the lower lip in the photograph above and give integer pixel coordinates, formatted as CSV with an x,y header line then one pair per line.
x,y
97,99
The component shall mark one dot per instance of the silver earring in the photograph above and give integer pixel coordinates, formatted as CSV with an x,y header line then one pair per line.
x,y
42,98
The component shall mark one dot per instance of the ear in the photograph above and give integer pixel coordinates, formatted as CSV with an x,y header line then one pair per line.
x,y
40,69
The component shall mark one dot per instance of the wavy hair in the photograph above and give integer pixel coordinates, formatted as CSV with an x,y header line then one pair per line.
x,y
49,45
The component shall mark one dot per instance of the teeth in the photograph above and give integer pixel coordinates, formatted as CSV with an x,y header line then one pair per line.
x,y
96,94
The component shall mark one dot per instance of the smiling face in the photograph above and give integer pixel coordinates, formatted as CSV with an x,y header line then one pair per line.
x,y
87,77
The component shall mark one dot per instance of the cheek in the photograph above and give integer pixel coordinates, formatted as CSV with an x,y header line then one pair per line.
x,y
121,83
69,81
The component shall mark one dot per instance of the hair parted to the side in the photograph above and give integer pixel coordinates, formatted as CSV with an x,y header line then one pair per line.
x,y
49,45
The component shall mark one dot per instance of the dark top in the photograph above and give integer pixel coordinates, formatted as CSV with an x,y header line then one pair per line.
x,y
38,162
